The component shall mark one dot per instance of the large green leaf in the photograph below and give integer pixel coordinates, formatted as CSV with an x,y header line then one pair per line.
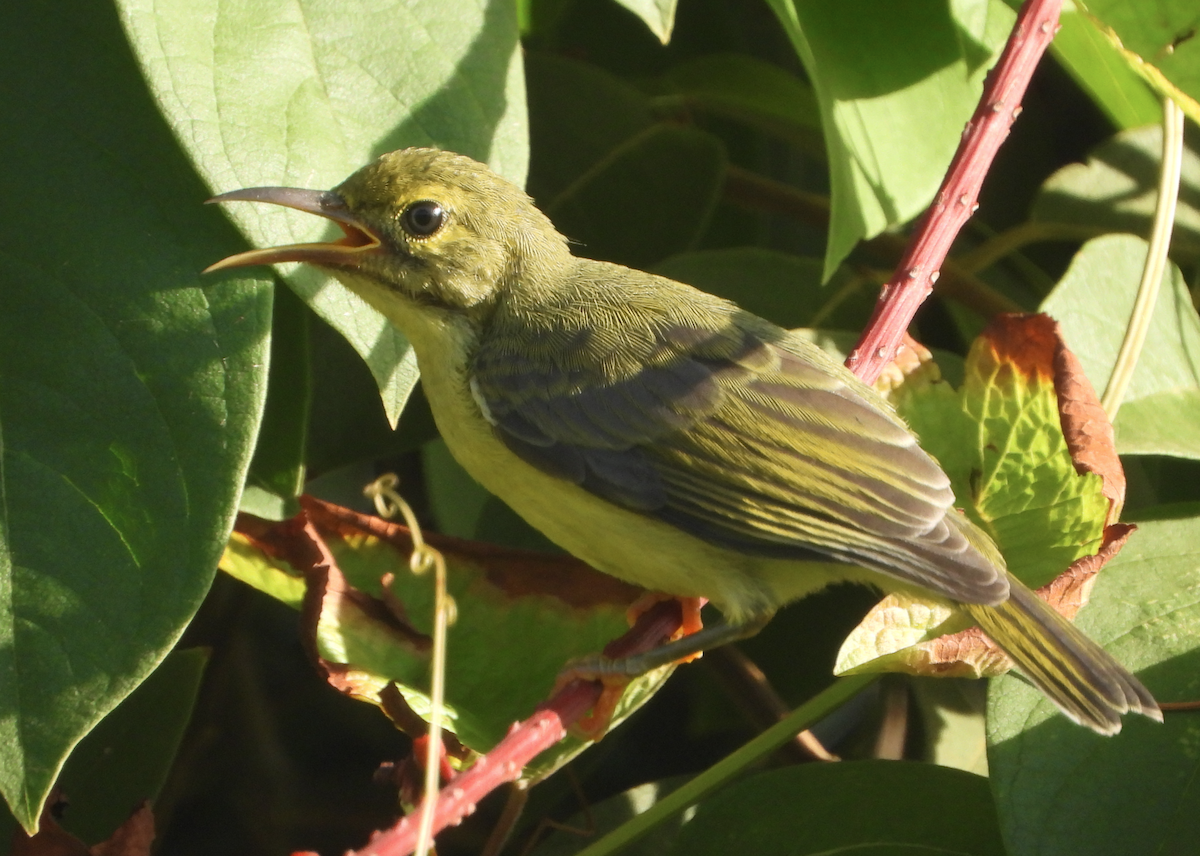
x,y
1099,67
1164,39
303,92
1117,189
521,616
130,390
622,186
1061,789
1093,302
896,83
127,758
898,807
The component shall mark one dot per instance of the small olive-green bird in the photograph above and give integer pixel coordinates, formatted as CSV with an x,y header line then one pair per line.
x,y
662,434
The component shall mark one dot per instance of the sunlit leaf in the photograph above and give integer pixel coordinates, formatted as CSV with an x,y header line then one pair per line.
x,y
896,83
1093,302
1117,189
1165,39
302,93
1100,68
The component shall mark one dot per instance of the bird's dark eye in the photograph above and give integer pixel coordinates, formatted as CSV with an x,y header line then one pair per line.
x,y
422,219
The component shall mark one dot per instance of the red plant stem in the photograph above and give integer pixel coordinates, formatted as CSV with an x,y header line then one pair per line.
x,y
956,200
524,741
503,764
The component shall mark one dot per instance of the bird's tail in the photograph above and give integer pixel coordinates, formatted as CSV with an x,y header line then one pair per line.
x,y
1079,676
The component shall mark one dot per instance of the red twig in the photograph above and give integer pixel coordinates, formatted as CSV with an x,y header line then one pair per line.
x,y
957,198
503,764
524,741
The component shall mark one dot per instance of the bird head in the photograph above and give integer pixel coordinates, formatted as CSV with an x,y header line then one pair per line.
x,y
433,227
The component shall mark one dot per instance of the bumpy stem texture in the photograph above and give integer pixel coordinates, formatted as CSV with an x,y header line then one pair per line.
x,y
957,198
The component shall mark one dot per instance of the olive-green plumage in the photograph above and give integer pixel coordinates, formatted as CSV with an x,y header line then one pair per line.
x,y
660,433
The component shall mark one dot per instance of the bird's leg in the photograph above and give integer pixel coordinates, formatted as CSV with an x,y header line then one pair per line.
x,y
615,669
682,649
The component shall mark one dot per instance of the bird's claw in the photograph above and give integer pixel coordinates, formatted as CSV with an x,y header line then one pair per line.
x,y
610,673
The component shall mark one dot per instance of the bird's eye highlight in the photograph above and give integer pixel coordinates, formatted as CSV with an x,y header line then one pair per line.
x,y
422,219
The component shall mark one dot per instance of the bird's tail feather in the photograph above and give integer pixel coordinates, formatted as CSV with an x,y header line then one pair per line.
x,y
1079,676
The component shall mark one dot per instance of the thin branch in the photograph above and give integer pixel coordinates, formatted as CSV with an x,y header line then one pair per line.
x,y
503,764
752,692
514,807
1156,261
733,765
1009,241
524,741
893,732
759,193
956,200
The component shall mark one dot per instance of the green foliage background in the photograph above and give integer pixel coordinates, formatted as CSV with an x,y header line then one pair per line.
x,y
763,150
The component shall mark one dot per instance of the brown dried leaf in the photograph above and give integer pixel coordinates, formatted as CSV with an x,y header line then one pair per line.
x,y
1086,426
1026,341
966,654
1034,345
398,710
51,840
889,639
1070,591
522,614
328,595
515,572
133,837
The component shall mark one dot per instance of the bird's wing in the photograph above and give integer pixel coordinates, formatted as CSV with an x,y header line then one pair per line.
x,y
769,447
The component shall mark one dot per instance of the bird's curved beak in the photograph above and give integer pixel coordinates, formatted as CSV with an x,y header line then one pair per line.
x,y
358,239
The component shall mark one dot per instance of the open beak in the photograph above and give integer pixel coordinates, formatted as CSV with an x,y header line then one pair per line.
x,y
343,252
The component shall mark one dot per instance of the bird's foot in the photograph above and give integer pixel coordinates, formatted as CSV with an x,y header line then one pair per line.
x,y
634,654
690,621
